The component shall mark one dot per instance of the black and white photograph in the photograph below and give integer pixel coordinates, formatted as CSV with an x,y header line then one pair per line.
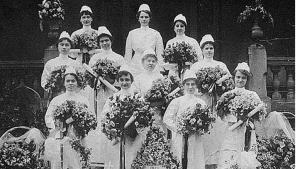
x,y
147,84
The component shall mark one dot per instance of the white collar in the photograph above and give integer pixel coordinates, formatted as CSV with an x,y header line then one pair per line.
x,y
84,27
189,96
144,27
73,93
107,51
180,36
62,56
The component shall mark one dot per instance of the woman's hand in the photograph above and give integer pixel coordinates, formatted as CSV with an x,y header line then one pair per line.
x,y
69,120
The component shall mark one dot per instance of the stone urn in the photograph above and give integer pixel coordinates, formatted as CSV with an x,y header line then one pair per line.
x,y
257,32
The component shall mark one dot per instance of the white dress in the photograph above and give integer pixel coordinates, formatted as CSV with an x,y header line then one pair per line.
x,y
212,141
52,145
233,140
138,40
103,149
191,41
142,83
53,63
195,156
104,94
78,32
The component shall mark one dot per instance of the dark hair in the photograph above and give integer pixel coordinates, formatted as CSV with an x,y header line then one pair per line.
x,y
148,56
181,22
85,13
244,72
74,75
124,73
103,35
196,80
62,39
207,42
146,11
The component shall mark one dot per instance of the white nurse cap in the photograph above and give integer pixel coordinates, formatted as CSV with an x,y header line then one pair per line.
x,y
180,17
86,8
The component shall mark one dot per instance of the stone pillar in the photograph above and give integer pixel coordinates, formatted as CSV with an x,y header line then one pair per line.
x,y
258,67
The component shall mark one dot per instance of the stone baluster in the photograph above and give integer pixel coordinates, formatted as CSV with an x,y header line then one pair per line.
x,y
290,83
276,82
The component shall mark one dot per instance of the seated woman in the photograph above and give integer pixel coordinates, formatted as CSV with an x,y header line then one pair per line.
x,y
52,145
143,81
178,106
234,140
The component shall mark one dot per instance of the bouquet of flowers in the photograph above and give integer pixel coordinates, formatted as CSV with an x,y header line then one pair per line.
x,y
209,76
159,90
106,69
276,152
83,120
55,80
239,103
82,150
156,151
258,11
121,110
51,9
180,53
194,119
158,94
86,41
19,155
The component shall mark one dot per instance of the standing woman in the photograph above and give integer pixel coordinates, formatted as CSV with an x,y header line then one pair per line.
x,y
133,143
207,46
86,19
235,139
105,40
64,45
180,24
175,109
52,145
140,39
211,141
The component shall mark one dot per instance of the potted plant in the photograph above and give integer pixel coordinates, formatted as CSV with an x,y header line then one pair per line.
x,y
256,13
51,14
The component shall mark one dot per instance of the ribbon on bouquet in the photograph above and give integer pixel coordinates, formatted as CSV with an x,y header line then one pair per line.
x,y
222,79
250,114
174,91
105,82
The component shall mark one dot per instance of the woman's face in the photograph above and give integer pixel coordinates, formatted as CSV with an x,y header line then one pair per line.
x,y
70,83
105,43
86,20
240,79
179,28
125,81
149,64
64,47
144,19
208,51
190,86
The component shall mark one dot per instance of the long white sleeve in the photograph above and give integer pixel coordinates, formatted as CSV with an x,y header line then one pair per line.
x,y
170,115
197,49
49,118
159,47
45,74
128,48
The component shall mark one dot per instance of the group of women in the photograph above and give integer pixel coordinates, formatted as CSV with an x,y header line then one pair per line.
x,y
137,72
